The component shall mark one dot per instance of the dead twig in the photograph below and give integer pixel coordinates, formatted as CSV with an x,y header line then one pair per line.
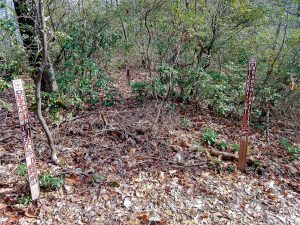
x,y
13,137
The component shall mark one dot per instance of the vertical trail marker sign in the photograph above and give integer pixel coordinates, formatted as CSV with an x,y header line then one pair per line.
x,y
26,138
247,114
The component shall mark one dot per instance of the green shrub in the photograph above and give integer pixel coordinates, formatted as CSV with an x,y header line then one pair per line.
x,y
25,200
97,179
235,148
197,146
215,164
230,169
48,181
6,105
141,89
209,136
4,85
13,67
115,184
186,122
222,145
171,106
258,167
53,101
292,150
22,170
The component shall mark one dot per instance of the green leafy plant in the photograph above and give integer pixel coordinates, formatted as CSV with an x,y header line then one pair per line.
x,y
22,170
235,148
115,184
83,83
6,105
53,101
259,168
209,136
112,96
48,181
197,146
215,164
141,89
157,85
186,122
257,164
222,145
97,179
171,106
230,169
4,85
24,200
292,150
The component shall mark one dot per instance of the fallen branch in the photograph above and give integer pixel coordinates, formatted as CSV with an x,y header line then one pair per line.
x,y
13,137
151,159
76,118
293,185
226,156
84,115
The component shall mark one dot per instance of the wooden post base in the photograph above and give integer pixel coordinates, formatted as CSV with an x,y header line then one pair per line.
x,y
241,166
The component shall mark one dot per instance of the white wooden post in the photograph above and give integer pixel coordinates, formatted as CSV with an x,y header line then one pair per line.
x,y
26,138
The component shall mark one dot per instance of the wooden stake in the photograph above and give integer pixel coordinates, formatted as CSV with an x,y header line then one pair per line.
x,y
246,116
26,138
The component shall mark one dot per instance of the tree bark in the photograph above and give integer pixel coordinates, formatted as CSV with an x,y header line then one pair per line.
x,y
44,66
26,16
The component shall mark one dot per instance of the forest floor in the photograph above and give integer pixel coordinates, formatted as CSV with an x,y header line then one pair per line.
x,y
127,169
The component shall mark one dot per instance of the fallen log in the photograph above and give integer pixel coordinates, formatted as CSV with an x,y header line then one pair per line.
x,y
226,156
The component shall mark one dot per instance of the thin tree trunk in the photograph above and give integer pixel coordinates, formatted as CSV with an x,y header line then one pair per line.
x,y
45,65
126,41
148,43
147,14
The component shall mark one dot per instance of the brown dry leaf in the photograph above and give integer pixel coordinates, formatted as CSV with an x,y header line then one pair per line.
x,y
115,133
272,196
176,148
2,206
113,194
183,144
77,198
13,219
144,218
106,197
32,211
72,180
204,216
132,151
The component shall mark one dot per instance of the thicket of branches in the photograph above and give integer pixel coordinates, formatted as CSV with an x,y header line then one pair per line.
x,y
193,50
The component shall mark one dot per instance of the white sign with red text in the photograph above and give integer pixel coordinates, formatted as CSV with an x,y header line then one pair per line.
x,y
26,138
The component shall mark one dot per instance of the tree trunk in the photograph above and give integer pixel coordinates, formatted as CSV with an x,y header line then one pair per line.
x,y
44,66
26,16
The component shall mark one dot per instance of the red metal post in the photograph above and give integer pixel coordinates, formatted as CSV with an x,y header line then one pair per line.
x,y
246,116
